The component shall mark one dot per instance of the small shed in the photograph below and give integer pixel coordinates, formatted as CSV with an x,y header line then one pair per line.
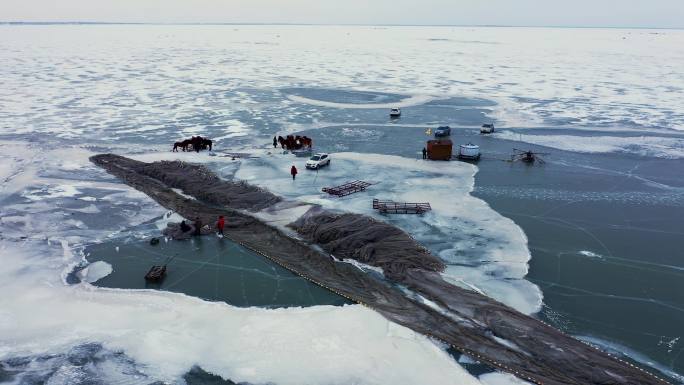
x,y
469,152
439,149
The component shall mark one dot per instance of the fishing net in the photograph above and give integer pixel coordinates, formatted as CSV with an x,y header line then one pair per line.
x,y
208,187
470,322
366,240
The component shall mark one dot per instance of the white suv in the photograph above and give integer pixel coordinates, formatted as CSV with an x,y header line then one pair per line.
x,y
317,161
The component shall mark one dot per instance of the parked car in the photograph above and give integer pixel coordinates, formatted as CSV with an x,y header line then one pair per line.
x,y
395,113
317,161
442,131
487,129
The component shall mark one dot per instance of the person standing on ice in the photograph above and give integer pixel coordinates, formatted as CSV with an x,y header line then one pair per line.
x,y
275,142
424,153
184,227
198,226
220,224
293,171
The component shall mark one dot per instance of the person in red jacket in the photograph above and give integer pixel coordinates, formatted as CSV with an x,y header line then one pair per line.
x,y
293,171
220,224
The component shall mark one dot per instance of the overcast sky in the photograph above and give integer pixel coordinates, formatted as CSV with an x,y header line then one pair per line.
x,y
607,13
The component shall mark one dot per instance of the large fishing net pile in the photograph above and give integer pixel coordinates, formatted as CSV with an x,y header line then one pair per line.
x,y
207,186
366,240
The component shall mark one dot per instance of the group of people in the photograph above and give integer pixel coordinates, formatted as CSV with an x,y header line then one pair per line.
x,y
196,143
292,142
197,225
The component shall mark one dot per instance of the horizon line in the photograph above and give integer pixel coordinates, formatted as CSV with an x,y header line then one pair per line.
x,y
330,24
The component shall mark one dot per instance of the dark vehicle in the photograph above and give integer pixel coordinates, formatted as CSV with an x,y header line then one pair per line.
x,y
442,131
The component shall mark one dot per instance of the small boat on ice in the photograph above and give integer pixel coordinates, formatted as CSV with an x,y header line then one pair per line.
x,y
395,112
157,272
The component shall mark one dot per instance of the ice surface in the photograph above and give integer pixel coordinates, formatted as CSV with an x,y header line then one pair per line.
x,y
649,146
164,333
498,378
283,213
167,333
621,350
597,94
83,364
58,193
616,79
613,77
132,88
234,128
483,249
409,101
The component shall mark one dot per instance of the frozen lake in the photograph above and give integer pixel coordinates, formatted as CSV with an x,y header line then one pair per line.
x,y
590,242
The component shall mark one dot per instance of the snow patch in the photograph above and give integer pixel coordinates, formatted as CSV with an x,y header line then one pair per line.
x,y
95,271
169,333
484,249
498,378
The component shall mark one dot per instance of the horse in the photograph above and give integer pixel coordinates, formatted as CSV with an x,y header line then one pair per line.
x,y
292,142
200,143
183,145
206,143
197,142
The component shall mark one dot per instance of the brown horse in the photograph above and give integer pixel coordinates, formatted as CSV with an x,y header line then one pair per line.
x,y
294,142
183,145
200,143
206,143
196,142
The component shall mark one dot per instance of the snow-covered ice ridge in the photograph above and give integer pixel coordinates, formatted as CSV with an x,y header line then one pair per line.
x,y
42,316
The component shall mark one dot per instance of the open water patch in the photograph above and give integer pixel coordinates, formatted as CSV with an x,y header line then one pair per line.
x,y
208,267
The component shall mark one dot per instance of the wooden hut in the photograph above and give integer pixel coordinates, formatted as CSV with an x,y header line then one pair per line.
x,y
439,149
